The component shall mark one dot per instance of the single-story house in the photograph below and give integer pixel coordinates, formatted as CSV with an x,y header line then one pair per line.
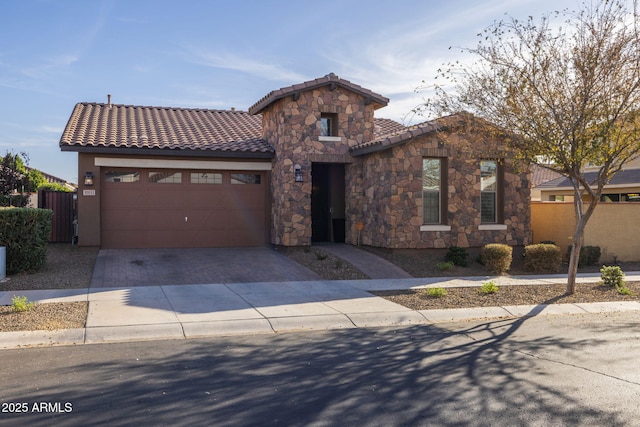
x,y
306,163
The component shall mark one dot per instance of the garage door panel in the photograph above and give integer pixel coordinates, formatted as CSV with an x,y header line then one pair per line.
x,y
250,200
119,219
245,218
170,198
208,238
246,237
165,219
208,204
115,195
209,219
152,214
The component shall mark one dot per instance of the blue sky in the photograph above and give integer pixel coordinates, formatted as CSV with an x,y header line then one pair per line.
x,y
218,54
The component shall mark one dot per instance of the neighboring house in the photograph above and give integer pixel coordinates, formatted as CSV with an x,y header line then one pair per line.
x,y
539,176
623,187
307,163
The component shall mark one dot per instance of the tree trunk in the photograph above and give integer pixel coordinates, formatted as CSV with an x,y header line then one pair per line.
x,y
578,237
576,247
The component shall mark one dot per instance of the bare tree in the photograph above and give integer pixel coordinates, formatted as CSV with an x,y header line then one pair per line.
x,y
565,88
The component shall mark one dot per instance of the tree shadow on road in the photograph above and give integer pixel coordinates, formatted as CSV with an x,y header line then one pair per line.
x,y
422,375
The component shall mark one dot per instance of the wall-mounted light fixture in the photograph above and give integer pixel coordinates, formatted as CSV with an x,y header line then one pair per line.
x,y
88,179
297,173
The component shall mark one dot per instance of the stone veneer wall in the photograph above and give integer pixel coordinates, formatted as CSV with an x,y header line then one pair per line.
x,y
387,195
292,127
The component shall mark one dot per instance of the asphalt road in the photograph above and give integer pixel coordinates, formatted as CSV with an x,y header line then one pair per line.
x,y
577,370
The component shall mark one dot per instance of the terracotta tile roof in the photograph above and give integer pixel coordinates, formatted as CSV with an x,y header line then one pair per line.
x,y
329,79
108,127
540,175
385,127
395,135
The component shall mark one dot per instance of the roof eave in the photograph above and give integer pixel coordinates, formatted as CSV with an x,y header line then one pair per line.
x,y
169,152
379,101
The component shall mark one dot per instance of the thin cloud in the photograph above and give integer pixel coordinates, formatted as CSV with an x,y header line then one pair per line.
x,y
50,66
229,61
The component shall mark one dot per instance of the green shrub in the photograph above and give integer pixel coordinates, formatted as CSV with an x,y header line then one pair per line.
x,y
444,266
436,292
21,304
496,257
614,277
489,288
457,255
320,256
15,200
542,258
25,233
589,255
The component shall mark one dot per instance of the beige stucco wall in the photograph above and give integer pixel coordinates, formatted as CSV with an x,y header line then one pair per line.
x,y
612,227
88,205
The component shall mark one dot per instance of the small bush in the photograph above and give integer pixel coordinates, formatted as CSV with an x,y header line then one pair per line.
x,y
496,257
489,288
21,304
320,256
444,266
436,292
613,276
458,256
542,258
589,255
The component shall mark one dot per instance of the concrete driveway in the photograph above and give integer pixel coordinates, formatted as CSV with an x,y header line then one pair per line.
x,y
153,267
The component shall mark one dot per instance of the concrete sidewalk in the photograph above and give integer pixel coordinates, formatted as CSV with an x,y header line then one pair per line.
x,y
188,311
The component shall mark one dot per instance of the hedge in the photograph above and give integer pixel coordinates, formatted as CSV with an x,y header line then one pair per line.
x,y
589,255
542,258
25,233
496,257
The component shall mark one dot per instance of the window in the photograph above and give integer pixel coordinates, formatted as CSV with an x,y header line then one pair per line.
x,y
491,192
623,197
434,194
431,172
328,124
245,178
122,176
165,177
206,178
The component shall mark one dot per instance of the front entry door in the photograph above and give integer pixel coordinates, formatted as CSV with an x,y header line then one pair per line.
x,y
327,203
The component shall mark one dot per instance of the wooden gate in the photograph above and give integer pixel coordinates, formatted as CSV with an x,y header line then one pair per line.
x,y
63,207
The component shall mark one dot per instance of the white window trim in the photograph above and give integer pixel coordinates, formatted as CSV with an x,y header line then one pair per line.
x,y
330,138
435,227
484,227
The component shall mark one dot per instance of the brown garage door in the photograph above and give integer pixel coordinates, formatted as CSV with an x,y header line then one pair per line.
x,y
143,208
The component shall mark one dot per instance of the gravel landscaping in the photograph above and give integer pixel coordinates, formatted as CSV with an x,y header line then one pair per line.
x,y
68,266
509,295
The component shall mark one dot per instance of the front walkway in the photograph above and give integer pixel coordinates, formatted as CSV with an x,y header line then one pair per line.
x,y
370,264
